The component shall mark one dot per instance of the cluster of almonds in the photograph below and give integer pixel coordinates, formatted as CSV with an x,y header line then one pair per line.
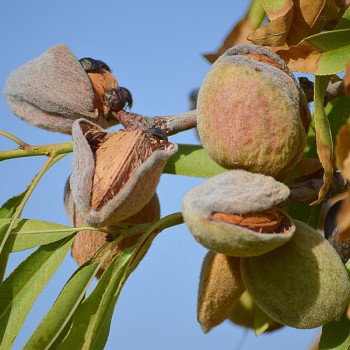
x,y
115,175
253,119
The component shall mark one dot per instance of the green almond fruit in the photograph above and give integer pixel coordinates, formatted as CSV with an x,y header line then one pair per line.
x,y
252,113
302,284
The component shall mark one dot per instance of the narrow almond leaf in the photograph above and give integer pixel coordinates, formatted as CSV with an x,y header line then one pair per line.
x,y
91,321
63,309
192,160
336,335
9,207
21,288
28,234
323,135
92,318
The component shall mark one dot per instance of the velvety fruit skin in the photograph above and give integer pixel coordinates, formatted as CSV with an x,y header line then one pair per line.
x,y
249,113
220,287
235,192
302,284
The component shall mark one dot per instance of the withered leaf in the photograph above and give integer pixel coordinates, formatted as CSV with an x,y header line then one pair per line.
x,y
239,34
295,21
342,154
275,32
342,151
343,220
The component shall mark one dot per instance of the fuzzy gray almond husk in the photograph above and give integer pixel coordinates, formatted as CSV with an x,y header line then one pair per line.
x,y
236,192
302,284
52,91
131,199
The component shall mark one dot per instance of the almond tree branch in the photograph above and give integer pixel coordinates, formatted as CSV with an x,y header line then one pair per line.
x,y
333,90
308,190
170,124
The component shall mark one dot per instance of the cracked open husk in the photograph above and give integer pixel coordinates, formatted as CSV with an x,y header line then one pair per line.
x,y
235,213
117,179
302,284
220,287
87,242
53,90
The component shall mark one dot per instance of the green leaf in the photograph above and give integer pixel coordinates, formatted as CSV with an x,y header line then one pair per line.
x,y
9,207
192,160
304,212
20,290
60,314
336,335
323,135
28,234
335,48
91,321
344,23
274,6
338,112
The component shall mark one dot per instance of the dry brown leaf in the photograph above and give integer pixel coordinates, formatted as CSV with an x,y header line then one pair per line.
x,y
347,80
342,151
300,21
275,32
307,20
302,58
238,35
343,220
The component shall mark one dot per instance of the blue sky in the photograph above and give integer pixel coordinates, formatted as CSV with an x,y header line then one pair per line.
x,y
155,50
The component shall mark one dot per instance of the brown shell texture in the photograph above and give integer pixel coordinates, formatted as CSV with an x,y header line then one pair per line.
x,y
118,178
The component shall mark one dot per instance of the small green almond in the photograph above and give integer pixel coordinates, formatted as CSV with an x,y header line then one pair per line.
x,y
302,284
244,311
